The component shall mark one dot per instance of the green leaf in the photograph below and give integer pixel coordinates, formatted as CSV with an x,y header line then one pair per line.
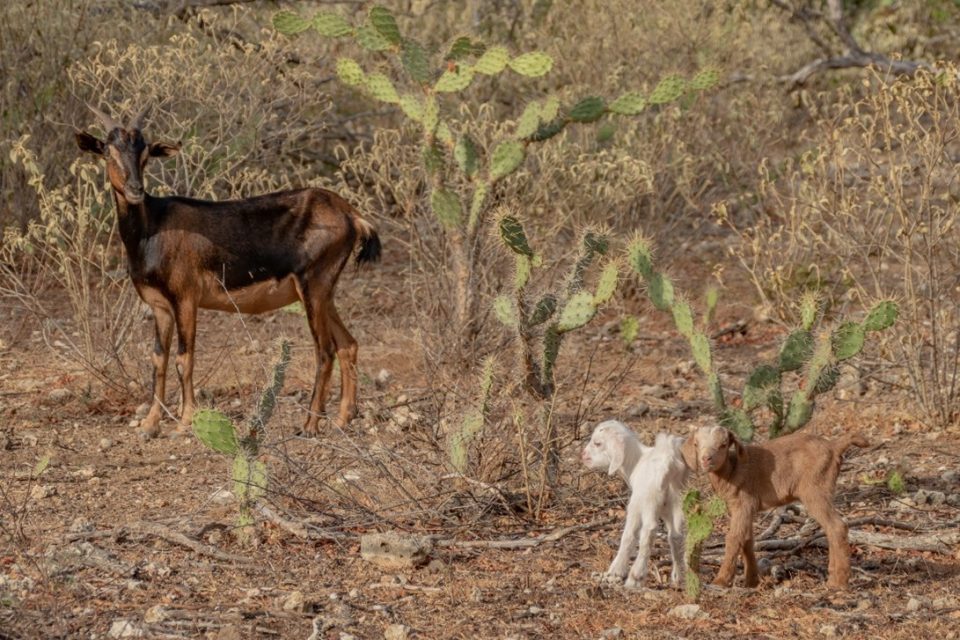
x,y
385,24
381,88
529,121
289,23
415,61
371,39
446,206
505,159
454,80
629,104
588,110
895,483
532,65
331,25
493,61
668,90
350,72
465,153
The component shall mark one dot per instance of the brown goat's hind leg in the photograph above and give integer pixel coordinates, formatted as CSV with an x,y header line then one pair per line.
x,y
186,314
347,357
823,511
741,522
315,304
163,326
750,577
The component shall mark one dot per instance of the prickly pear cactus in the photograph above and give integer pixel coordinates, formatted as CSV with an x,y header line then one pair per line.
x,y
216,431
701,517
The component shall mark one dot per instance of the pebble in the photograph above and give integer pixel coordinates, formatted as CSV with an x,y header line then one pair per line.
x,y
382,379
950,477
58,396
828,630
914,605
396,632
611,633
688,612
121,628
295,602
41,491
105,443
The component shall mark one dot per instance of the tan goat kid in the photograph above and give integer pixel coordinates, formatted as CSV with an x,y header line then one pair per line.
x,y
752,478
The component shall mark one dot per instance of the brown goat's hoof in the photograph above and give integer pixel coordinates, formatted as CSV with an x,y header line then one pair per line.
x,y
148,429
182,431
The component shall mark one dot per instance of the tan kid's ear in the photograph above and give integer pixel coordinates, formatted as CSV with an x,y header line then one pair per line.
x,y
689,452
733,441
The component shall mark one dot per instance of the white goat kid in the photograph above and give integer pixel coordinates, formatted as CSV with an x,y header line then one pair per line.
x,y
656,476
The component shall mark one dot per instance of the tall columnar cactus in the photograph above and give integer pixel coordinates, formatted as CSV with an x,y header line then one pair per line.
x,y
559,311
218,432
434,79
818,356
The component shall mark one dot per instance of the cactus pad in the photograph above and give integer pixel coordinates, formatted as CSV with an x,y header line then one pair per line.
x,y
371,39
529,121
551,108
544,310
547,130
683,317
809,304
716,390
289,23
578,311
629,104
453,80
532,65
522,273
385,24
331,25
513,235
827,379
758,386
629,329
414,60
477,202
660,290
668,90
881,317
700,345
216,431
463,47
799,412
640,257
505,159
847,340
505,310
249,479
350,72
465,153
493,61
607,284
588,110
380,87
738,422
446,206
796,350
411,107
704,80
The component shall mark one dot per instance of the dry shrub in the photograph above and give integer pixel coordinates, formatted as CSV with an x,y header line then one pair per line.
x,y
870,210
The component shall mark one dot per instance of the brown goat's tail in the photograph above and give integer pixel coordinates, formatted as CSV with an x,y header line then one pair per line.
x,y
370,247
843,443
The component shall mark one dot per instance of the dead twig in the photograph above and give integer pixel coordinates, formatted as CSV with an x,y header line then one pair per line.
x,y
525,543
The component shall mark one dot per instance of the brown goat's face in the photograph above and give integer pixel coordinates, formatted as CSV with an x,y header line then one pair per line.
x,y
126,153
712,444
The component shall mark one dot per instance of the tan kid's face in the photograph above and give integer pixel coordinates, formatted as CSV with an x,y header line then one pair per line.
x,y
712,444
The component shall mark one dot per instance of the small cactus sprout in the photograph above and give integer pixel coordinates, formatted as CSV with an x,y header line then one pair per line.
x,y
701,516
216,431
505,310
848,340
683,318
882,316
809,303
607,284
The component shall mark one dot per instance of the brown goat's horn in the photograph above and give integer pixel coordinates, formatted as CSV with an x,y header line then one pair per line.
x,y
138,120
108,123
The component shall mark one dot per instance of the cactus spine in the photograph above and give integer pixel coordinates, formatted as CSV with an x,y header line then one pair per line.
x,y
248,471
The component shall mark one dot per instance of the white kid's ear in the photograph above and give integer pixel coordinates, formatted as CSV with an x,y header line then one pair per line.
x,y
616,444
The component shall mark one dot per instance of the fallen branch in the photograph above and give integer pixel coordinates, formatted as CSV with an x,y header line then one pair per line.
x,y
524,543
943,543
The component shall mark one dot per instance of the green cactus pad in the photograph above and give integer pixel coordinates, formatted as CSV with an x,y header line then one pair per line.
x,y
513,235
882,316
522,273
551,108
706,79
432,159
668,90
629,329
700,346
446,206
798,413
809,305
331,25
738,422
543,311
431,113
532,65
716,391
827,379
551,347
758,386
710,298
683,317
385,24
596,242
607,284
493,61
350,72
216,431
588,110
796,350
529,121
606,131
847,340
380,87
453,80
371,39
289,23
629,104
505,159
249,479
547,130
640,257
578,311
465,153
463,47
660,291
444,134
505,310
411,107
414,60
477,203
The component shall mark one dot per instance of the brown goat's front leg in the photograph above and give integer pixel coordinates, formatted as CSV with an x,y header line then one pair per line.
x,y
838,565
186,315
347,357
163,326
741,523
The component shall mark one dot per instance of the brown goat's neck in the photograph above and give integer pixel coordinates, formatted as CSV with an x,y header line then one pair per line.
x,y
133,223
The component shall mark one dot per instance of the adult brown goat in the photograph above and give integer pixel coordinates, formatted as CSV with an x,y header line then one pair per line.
x,y
248,256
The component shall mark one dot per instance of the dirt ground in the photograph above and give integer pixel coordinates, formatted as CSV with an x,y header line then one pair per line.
x,y
103,532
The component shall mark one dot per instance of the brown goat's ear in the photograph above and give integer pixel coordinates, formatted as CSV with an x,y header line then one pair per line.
x,y
737,445
164,149
90,143
689,452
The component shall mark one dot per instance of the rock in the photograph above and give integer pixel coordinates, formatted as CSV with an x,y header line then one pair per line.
x,y
950,477
347,636
393,550
221,496
611,633
914,605
156,613
229,632
829,630
133,424
81,525
58,396
689,612
396,632
41,491
142,410
436,565
637,411
105,443
121,628
295,602
535,610
382,379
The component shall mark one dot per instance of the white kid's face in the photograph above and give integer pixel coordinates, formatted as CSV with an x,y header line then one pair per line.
x,y
596,453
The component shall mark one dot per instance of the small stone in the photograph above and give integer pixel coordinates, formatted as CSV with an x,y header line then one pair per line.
x,y
41,491
105,443
436,565
828,630
133,424
950,477
58,396
221,496
914,605
295,602
80,525
382,379
689,612
156,613
347,636
125,629
396,632
229,632
354,593
637,411
142,410
535,611
612,633
393,550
